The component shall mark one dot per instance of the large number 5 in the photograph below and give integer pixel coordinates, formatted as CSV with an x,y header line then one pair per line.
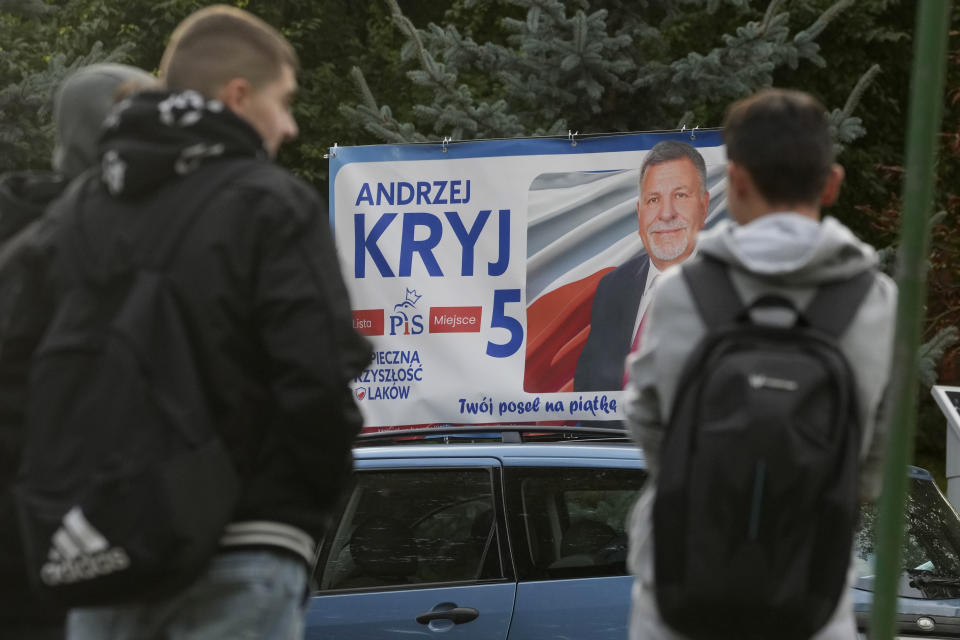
x,y
502,321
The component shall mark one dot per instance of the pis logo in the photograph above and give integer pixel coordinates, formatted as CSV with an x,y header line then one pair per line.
x,y
404,318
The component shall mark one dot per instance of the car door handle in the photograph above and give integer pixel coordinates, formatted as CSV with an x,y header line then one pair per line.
x,y
457,615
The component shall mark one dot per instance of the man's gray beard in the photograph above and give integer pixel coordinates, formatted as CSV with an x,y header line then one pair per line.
x,y
662,253
673,255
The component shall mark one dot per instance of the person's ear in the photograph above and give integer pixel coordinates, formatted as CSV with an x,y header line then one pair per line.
x,y
739,180
831,189
235,94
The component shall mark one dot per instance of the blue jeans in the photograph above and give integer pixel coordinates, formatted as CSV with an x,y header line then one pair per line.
x,y
243,595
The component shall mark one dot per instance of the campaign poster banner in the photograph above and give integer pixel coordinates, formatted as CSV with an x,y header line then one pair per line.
x,y
473,268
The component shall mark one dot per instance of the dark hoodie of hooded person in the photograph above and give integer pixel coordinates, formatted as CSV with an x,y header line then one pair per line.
x,y
81,104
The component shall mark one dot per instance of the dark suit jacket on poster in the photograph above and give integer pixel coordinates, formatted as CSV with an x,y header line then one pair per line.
x,y
612,318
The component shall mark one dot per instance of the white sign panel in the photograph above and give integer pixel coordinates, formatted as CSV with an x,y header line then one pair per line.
x,y
472,267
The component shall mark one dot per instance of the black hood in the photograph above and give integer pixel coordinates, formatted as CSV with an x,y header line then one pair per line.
x,y
24,195
154,137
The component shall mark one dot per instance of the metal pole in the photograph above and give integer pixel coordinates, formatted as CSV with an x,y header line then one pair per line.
x,y
926,95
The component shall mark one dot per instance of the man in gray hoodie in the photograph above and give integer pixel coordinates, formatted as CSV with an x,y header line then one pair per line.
x,y
780,173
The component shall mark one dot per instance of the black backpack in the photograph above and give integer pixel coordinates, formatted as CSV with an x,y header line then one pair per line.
x,y
125,488
757,497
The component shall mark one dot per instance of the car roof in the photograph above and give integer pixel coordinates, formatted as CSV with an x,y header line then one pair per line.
x,y
507,452
919,473
460,442
511,444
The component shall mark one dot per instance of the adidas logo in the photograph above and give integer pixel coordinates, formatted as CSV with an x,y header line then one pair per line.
x,y
80,552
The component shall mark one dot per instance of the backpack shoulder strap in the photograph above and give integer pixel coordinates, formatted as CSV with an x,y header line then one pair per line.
x,y
215,176
178,217
713,292
836,303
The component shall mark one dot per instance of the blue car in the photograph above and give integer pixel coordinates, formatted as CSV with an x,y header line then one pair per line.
x,y
928,605
492,536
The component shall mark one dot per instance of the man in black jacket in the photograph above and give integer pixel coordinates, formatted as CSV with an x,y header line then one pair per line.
x,y
261,291
81,103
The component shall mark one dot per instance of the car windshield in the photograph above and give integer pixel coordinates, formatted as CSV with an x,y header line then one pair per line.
x,y
931,545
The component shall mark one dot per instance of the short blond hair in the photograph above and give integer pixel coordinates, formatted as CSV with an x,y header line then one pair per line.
x,y
219,43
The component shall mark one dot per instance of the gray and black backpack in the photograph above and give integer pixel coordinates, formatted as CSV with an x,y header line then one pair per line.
x,y
757,497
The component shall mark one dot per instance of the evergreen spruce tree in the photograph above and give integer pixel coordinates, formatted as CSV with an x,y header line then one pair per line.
x,y
624,66
24,7
29,76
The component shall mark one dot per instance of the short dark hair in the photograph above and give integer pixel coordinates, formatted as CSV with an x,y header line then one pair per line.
x,y
218,43
782,138
669,150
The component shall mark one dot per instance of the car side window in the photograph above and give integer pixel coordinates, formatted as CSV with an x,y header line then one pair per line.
x,y
571,522
410,527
